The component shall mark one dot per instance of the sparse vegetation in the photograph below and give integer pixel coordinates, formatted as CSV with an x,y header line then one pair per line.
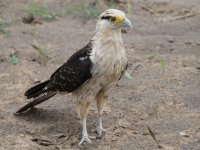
x,y
128,7
128,75
160,87
3,28
72,10
13,59
41,11
88,10
162,64
42,53
91,11
151,133
112,3
115,4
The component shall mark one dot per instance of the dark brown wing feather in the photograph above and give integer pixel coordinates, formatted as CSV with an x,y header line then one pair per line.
x,y
75,72
70,76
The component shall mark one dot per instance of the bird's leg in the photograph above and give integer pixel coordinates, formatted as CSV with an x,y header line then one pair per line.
x,y
83,109
100,128
85,136
101,102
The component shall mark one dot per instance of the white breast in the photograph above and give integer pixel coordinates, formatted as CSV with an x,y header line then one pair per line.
x,y
109,61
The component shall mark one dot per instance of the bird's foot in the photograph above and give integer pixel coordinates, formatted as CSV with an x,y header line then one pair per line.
x,y
100,130
86,139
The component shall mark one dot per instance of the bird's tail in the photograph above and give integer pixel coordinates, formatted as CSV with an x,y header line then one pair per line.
x,y
39,93
36,90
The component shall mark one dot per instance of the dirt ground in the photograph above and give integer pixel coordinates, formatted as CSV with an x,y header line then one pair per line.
x,y
164,93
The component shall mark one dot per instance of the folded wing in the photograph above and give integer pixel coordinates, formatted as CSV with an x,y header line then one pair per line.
x,y
67,78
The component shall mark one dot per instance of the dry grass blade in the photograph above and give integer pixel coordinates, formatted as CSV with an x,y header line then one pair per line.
x,y
3,28
129,7
88,10
43,142
153,136
128,75
42,11
40,50
188,15
147,9
162,64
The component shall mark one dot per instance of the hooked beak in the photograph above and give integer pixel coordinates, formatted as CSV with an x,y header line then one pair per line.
x,y
126,24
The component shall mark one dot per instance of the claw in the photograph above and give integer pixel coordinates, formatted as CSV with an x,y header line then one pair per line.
x,y
86,139
100,130
85,136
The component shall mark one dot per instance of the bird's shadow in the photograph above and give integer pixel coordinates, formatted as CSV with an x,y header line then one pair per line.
x,y
52,122
48,116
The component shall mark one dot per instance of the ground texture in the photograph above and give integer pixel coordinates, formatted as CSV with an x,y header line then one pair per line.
x,y
164,93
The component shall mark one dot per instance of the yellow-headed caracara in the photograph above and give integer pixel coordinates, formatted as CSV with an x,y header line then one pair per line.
x,y
91,72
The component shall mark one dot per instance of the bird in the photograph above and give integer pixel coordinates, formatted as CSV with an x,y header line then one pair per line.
x,y
91,72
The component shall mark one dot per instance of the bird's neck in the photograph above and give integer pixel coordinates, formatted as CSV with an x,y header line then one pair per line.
x,y
109,40
108,34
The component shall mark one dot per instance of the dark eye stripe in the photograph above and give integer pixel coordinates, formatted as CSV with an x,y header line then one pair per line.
x,y
113,19
106,17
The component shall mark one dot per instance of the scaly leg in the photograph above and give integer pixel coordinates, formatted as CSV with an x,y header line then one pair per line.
x,y
101,102
100,128
83,109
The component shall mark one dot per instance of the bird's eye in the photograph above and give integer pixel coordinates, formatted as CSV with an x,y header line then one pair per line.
x,y
113,19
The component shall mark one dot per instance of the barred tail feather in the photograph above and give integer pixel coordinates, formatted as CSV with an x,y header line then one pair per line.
x,y
36,90
37,100
40,93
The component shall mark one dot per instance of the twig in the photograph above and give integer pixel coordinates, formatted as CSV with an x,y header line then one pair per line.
x,y
77,118
147,9
135,68
181,17
153,136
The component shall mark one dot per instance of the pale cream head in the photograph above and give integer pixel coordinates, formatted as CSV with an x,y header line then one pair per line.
x,y
114,19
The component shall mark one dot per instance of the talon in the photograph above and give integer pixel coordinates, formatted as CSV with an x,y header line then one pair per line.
x,y
100,130
85,136
86,139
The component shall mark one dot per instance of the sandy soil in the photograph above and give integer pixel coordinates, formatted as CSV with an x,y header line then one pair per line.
x,y
164,59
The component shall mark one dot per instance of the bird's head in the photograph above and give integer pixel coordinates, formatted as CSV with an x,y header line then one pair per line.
x,y
112,19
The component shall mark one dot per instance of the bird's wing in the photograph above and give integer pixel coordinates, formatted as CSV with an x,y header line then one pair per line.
x,y
75,72
71,75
